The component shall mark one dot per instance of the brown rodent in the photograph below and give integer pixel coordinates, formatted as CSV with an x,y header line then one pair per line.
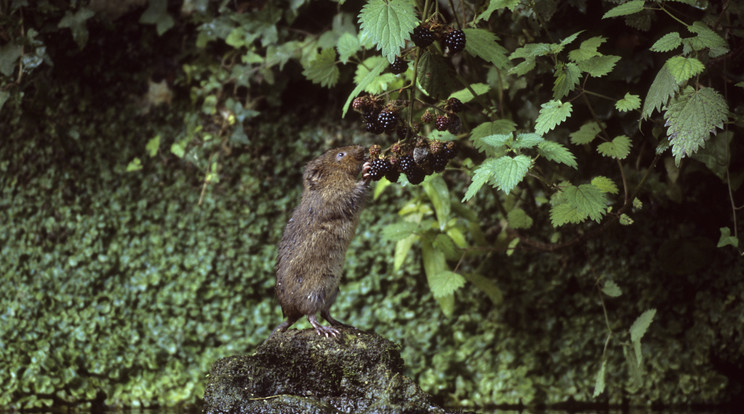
x,y
313,246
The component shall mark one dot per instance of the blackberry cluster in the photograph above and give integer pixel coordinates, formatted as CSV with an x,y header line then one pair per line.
x,y
398,66
377,119
422,36
424,158
455,41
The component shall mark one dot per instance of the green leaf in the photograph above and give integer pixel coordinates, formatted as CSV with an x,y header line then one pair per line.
x,y
380,83
598,66
347,45
494,5
508,171
486,286
611,289
576,204
605,184
482,175
77,24
585,134
528,140
717,154
9,54
669,41
727,239
323,70
683,68
552,113
157,14
435,77
625,220
566,79
445,283
710,39
531,50
437,191
625,9
661,89
362,83
483,43
446,245
134,165
618,148
523,68
491,137
389,24
153,145
587,49
599,382
641,324
518,219
554,151
692,117
402,247
567,40
399,230
178,149
629,102
465,96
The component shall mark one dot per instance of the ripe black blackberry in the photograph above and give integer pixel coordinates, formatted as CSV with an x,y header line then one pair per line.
x,y
455,41
403,131
439,161
378,168
442,123
454,124
392,175
370,116
454,105
399,65
422,36
413,172
449,150
387,120
374,128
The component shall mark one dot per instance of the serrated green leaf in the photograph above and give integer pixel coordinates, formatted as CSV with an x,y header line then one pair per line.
x,y
445,283
490,137
434,75
625,9
605,184
566,79
618,148
552,113
508,171
402,247
683,68
523,68
399,230
378,84
465,96
323,70
362,83
347,46
669,41
495,142
483,43
568,39
692,117
554,151
727,239
625,220
389,24
494,5
482,174
641,324
134,165
611,289
598,66
531,50
710,39
587,49
518,219
436,189
629,102
527,140
446,245
585,134
599,382
661,89
576,204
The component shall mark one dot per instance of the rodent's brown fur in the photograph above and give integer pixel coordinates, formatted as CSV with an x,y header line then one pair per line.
x,y
315,240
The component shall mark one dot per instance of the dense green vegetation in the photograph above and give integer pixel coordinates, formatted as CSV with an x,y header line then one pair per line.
x,y
582,247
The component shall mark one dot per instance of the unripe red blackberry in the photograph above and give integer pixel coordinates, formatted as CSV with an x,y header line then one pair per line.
x,y
375,151
427,117
399,65
357,104
442,123
422,36
455,41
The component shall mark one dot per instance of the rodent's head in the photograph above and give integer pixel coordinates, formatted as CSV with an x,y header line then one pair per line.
x,y
338,161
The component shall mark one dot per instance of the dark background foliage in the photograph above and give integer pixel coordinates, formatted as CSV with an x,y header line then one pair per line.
x,y
120,286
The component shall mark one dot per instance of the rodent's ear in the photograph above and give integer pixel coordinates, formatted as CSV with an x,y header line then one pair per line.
x,y
313,174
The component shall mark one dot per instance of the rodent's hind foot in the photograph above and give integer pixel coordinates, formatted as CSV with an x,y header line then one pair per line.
x,y
320,329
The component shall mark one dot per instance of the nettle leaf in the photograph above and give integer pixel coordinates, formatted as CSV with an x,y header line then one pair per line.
x,y
552,113
399,231
661,89
483,44
611,289
482,175
362,83
323,69
625,9
629,102
683,68
638,329
508,171
465,96
585,134
567,40
598,66
389,24
587,49
379,83
554,151
727,239
605,184
599,382
490,137
576,204
692,117
523,68
669,41
618,148
566,79
445,283
528,140
531,50
709,39
347,45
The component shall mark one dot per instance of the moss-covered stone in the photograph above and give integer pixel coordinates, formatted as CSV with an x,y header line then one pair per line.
x,y
301,372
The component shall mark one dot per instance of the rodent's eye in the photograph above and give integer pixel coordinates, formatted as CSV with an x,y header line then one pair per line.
x,y
340,155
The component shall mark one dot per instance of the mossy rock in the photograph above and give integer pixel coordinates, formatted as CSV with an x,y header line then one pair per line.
x,y
302,372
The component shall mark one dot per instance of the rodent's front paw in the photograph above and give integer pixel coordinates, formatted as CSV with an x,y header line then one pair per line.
x,y
365,170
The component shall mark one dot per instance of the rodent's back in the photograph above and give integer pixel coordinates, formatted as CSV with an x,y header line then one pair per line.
x,y
315,240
